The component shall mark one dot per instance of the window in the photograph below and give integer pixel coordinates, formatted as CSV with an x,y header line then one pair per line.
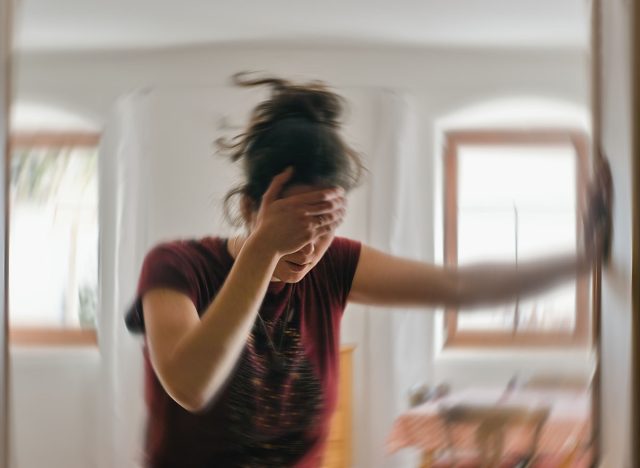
x,y
511,196
53,240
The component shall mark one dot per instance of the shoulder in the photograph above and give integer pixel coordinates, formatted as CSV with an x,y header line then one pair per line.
x,y
343,246
189,266
342,253
339,264
184,261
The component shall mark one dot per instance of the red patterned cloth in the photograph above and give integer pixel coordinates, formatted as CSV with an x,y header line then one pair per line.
x,y
567,427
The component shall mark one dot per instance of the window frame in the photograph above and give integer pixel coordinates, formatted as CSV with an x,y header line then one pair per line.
x,y
454,338
36,336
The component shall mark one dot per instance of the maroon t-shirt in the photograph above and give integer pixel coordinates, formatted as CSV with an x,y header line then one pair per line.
x,y
275,408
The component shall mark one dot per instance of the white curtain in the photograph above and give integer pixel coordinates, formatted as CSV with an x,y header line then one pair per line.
x,y
160,179
397,343
123,238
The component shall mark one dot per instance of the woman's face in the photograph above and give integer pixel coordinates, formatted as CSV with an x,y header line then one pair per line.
x,y
293,267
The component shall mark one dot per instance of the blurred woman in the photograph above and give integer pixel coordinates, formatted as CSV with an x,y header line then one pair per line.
x,y
242,335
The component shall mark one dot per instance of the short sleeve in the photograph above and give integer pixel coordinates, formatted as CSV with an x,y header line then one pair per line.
x,y
344,255
165,266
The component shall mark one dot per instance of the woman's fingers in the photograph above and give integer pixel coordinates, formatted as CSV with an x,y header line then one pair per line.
x,y
321,208
316,197
328,228
599,214
326,207
326,224
330,218
295,220
276,186
604,171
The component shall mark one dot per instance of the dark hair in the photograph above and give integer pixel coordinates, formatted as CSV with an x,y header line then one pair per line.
x,y
299,126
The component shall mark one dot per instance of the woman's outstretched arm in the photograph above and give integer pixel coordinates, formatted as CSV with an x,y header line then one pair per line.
x,y
383,279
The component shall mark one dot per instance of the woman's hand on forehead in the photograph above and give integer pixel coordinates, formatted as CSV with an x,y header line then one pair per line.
x,y
320,202
314,196
288,222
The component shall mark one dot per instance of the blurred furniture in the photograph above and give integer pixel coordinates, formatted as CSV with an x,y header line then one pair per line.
x,y
558,381
338,453
490,425
524,427
422,393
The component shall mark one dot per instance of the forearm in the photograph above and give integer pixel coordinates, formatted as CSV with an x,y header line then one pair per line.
x,y
495,283
204,358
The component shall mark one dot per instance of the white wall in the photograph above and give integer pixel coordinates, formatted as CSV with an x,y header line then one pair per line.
x,y
441,82
53,407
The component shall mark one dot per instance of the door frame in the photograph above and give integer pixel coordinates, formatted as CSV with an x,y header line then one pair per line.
x,y
635,249
6,28
596,87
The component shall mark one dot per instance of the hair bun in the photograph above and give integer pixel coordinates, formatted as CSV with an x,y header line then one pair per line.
x,y
312,101
297,125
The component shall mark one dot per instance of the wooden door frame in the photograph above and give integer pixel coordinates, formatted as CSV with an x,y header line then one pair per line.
x,y
6,28
635,248
596,303
596,60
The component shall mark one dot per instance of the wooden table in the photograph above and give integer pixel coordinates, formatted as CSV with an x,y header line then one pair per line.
x,y
566,430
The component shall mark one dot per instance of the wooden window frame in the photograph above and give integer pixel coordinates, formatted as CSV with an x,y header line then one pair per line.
x,y
453,140
51,336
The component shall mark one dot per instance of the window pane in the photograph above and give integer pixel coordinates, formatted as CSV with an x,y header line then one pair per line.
x,y
517,201
53,246
552,311
540,176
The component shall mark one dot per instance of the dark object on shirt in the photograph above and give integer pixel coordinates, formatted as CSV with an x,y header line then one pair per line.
x,y
267,414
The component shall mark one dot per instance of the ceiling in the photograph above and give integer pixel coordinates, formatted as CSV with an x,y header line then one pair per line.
x,y
49,25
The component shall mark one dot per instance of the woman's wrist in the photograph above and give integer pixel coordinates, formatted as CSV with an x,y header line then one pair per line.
x,y
260,247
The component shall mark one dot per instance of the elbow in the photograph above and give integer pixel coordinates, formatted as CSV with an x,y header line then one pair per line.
x,y
191,401
194,406
193,398
190,396
189,385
